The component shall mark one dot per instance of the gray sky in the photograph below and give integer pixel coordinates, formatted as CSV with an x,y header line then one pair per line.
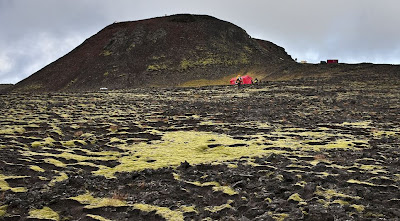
x,y
34,33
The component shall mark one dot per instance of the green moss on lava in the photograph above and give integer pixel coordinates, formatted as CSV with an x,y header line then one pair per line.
x,y
279,216
31,87
91,202
45,213
295,197
188,209
216,187
93,156
61,177
10,130
3,210
166,213
4,185
36,168
131,46
213,59
96,217
359,208
360,182
180,146
106,53
55,162
46,142
215,209
157,67
72,143
331,193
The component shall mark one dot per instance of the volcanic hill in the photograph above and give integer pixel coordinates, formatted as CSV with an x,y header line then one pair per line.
x,y
4,87
177,50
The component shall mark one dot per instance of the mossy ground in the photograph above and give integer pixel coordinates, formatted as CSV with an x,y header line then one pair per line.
x,y
311,148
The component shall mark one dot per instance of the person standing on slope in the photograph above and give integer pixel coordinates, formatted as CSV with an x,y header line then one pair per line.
x,y
239,81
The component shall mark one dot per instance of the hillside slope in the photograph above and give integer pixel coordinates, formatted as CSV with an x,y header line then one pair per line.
x,y
4,87
165,51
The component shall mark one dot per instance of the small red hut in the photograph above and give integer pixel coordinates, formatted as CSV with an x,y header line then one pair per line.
x,y
332,61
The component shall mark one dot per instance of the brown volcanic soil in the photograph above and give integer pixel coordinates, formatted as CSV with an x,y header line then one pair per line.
x,y
324,148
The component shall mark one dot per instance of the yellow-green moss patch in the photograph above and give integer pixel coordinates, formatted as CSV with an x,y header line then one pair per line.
x,y
55,162
165,212
188,209
357,124
156,67
215,209
45,213
341,202
215,185
63,176
48,141
92,202
3,210
72,143
359,208
330,193
177,176
36,168
56,129
4,185
12,130
301,183
179,146
231,165
374,215
225,189
96,217
379,133
71,156
295,197
106,53
360,182
313,140
278,216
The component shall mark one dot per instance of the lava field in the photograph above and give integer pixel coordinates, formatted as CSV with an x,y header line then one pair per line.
x,y
323,148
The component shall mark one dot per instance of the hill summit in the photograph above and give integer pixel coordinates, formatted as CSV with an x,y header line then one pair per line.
x,y
177,50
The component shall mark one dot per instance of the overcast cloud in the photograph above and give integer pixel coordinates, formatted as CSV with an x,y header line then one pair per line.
x,y
35,33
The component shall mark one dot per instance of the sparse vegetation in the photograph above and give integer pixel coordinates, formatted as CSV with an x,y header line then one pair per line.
x,y
106,53
156,67
312,148
44,213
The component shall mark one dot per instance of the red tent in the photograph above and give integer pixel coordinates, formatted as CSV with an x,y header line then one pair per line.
x,y
246,80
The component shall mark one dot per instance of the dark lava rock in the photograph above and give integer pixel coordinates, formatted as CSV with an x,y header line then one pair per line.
x,y
309,190
320,167
184,165
318,216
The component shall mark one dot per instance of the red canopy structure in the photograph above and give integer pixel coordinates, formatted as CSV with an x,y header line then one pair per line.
x,y
245,79
332,61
